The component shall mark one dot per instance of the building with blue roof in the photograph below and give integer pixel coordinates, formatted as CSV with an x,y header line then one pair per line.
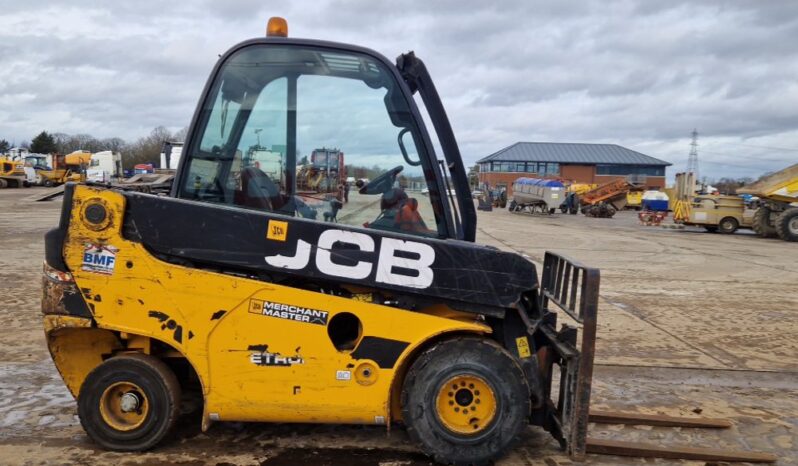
x,y
570,162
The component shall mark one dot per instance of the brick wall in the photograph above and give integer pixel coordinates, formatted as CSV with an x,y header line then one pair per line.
x,y
652,182
568,173
578,173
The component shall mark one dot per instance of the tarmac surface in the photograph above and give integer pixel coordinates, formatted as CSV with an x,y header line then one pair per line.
x,y
689,323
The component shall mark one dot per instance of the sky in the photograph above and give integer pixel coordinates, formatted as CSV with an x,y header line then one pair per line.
x,y
639,74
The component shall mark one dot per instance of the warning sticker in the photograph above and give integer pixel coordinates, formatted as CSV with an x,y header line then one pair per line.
x,y
523,347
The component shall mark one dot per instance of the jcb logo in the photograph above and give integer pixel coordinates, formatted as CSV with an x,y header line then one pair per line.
x,y
392,254
277,230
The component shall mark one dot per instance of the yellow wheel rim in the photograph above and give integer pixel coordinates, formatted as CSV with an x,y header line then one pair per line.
x,y
466,404
123,406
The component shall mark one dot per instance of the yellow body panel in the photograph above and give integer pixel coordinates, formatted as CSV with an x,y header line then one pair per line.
x,y
634,198
581,188
217,322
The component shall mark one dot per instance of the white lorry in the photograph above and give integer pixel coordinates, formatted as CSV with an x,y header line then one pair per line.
x,y
170,155
104,166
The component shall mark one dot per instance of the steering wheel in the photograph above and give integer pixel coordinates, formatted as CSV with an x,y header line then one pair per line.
x,y
383,183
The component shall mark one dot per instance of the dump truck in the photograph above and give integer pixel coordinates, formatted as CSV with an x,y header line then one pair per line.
x,y
324,172
230,290
605,200
12,173
777,214
69,167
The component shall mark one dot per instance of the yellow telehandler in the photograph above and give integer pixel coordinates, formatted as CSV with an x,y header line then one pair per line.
x,y
239,287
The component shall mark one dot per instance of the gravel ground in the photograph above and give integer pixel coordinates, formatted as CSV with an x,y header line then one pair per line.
x,y
688,322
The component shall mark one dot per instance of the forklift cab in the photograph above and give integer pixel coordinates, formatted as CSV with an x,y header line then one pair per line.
x,y
291,96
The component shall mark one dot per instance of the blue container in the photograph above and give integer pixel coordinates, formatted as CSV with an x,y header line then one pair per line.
x,y
655,204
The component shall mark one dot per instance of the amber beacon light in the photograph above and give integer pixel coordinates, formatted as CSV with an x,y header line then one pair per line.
x,y
277,27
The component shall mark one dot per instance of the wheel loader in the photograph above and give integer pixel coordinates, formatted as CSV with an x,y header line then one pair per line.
x,y
235,287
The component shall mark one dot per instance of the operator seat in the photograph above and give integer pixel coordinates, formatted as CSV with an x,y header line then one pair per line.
x,y
258,191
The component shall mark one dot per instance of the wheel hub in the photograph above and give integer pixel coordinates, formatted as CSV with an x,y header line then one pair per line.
x,y
793,226
130,402
466,404
124,406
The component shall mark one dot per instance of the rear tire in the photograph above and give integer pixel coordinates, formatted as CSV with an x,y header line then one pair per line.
x,y
761,223
787,225
144,383
728,225
465,401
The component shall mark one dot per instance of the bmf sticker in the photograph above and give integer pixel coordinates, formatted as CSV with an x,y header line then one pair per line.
x,y
99,258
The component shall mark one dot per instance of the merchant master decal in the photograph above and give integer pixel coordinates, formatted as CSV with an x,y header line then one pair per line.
x,y
288,312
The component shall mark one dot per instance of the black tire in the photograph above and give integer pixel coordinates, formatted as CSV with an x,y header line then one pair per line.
x,y
160,390
427,381
787,225
728,225
48,183
761,223
711,228
513,206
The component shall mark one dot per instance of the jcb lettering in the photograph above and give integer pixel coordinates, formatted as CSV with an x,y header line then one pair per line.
x,y
392,268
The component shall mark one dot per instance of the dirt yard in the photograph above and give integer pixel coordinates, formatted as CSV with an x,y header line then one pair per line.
x,y
689,322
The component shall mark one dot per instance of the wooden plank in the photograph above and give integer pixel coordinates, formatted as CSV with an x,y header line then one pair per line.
x,y
49,194
616,417
645,450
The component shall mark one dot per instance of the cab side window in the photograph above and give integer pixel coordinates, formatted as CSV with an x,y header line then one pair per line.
x,y
352,167
303,132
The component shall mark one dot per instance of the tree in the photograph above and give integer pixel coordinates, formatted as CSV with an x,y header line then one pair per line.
x,y
4,146
43,144
729,185
146,149
473,176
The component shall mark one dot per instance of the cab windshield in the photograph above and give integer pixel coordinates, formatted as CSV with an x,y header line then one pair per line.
x,y
309,132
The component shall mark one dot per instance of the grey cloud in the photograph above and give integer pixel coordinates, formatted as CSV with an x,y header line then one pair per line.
x,y
637,73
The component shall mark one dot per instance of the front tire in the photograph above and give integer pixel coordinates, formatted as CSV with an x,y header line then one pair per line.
x,y
761,223
465,401
129,402
787,225
728,225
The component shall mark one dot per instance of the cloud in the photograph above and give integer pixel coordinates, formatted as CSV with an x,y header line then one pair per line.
x,y
639,74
